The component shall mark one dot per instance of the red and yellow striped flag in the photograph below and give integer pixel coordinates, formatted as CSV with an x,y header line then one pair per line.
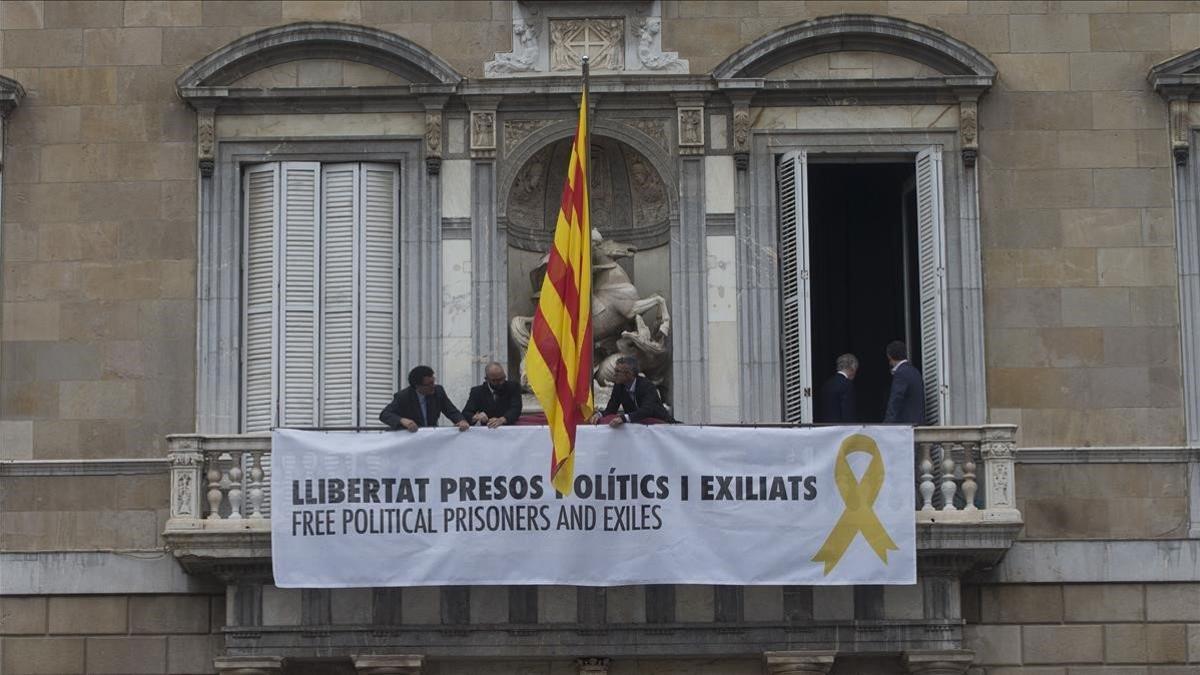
x,y
559,361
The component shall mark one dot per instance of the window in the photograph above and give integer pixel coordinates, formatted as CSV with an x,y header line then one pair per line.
x,y
862,260
320,293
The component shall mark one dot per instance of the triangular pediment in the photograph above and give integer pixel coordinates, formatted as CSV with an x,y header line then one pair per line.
x,y
1178,77
11,93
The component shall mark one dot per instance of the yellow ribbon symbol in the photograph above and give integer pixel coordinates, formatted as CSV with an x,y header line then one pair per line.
x,y
859,497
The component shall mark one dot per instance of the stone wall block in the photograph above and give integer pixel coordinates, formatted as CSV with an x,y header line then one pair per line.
x,y
91,14
557,604
421,605
694,603
1096,307
1130,32
18,14
43,656
162,12
1173,602
122,46
168,614
1097,149
1101,227
242,12
22,615
1021,603
1062,644
89,614
1033,72
1110,71
1103,602
43,48
192,654
627,604
1144,266
1024,307
127,655
993,645
30,321
1035,110
1049,33
345,11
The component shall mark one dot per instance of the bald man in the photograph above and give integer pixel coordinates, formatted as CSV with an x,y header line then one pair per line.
x,y
496,402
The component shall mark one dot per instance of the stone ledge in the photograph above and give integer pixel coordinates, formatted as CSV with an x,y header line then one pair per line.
x,y
83,467
613,640
1108,455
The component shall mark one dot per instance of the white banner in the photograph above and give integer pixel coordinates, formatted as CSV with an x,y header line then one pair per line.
x,y
665,504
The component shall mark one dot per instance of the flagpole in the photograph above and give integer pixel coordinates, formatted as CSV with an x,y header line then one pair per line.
x,y
587,157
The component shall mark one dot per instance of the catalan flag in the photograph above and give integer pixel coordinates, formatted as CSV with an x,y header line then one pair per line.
x,y
559,361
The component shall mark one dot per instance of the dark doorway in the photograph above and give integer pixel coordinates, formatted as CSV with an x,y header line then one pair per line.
x,y
864,284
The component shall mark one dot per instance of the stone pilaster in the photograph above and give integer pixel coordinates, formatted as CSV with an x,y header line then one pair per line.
x,y
248,665
389,664
798,663
939,662
689,334
592,666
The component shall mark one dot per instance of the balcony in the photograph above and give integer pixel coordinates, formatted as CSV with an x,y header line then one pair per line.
x,y
964,507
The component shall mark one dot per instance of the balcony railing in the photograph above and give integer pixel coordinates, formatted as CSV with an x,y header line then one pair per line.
x,y
221,483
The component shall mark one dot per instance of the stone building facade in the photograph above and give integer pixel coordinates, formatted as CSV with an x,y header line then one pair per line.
x,y
1041,159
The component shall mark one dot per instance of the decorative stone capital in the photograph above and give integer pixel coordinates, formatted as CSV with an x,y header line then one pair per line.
x,y
592,666
968,131
206,140
1177,111
939,662
389,664
248,665
798,663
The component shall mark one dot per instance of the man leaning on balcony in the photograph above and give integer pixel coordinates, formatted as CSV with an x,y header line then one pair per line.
x,y
496,402
634,398
421,403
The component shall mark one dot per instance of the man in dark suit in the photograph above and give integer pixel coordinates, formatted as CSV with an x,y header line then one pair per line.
x,y
495,402
837,394
906,402
633,395
420,404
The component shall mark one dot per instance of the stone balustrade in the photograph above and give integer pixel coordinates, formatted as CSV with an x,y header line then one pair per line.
x,y
963,475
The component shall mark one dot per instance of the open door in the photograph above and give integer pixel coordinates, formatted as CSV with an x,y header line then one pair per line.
x,y
931,261
794,287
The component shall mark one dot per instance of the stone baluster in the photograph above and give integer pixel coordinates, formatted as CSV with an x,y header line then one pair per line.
x,y
969,486
939,662
948,487
799,663
187,473
926,485
255,492
218,482
248,665
389,664
592,666
998,449
235,487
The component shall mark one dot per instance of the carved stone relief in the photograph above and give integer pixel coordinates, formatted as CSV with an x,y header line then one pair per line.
x,y
691,126
483,130
649,193
968,131
603,40
650,52
524,56
655,128
433,141
516,131
1177,111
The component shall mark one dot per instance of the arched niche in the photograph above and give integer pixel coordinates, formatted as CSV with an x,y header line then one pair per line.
x,y
633,206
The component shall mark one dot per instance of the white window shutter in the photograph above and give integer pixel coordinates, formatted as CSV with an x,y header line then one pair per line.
x,y
260,189
794,287
339,273
931,255
298,238
379,350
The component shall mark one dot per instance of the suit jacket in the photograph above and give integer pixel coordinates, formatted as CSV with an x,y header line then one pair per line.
x,y
405,404
506,404
837,400
642,404
906,402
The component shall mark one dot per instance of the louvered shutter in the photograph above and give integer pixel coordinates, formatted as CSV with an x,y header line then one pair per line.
x,y
794,286
339,274
260,189
380,217
931,256
297,323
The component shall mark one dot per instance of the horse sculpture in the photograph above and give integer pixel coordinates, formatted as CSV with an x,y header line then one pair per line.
x,y
618,317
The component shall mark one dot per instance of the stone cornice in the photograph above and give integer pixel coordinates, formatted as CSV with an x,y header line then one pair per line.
x,y
83,467
11,93
1108,455
1178,77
